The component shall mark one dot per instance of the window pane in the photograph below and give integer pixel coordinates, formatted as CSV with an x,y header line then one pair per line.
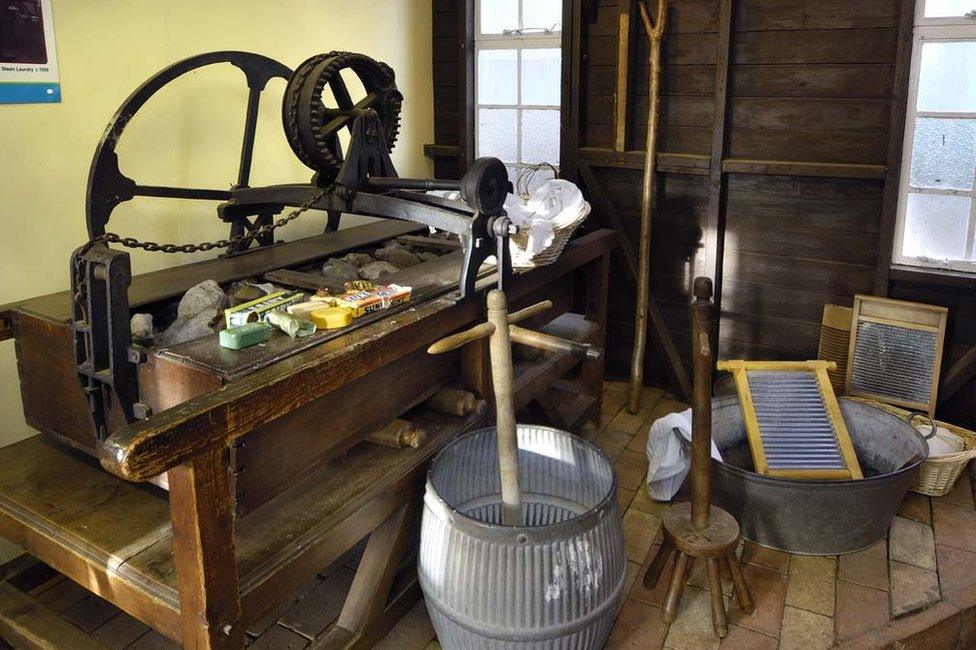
x,y
540,76
936,226
541,13
540,136
496,77
948,8
498,15
497,133
944,153
947,77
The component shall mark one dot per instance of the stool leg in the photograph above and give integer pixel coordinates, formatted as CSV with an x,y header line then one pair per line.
x,y
653,573
739,582
715,592
681,568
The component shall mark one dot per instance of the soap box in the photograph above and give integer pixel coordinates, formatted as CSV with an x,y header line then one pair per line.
x,y
250,312
371,300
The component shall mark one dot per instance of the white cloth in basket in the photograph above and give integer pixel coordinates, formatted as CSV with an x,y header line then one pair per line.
x,y
553,204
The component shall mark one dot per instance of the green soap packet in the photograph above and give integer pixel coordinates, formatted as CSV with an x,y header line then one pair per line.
x,y
244,336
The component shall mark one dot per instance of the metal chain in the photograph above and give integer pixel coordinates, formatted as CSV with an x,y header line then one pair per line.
x,y
153,247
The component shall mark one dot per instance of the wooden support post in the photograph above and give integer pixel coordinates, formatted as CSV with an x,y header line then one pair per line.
x,y
605,208
896,140
624,51
591,377
714,227
655,33
572,89
203,552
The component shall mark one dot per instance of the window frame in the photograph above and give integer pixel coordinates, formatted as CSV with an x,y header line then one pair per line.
x,y
932,30
517,40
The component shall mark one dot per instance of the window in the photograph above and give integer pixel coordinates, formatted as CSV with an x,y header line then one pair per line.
x,y
517,89
936,224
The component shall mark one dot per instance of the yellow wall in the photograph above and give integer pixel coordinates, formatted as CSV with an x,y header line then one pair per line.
x,y
189,134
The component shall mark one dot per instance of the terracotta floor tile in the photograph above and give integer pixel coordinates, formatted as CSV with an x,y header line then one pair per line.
x,y
624,498
639,625
616,386
643,502
957,568
868,567
611,442
858,609
811,585
692,629
954,525
638,444
639,530
962,493
613,401
627,422
742,638
279,638
413,631
631,468
768,589
803,630
916,506
633,571
911,542
664,407
757,555
912,588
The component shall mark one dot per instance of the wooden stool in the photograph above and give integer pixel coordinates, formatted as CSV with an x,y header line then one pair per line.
x,y
697,529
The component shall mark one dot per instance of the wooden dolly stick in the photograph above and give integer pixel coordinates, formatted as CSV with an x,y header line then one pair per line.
x,y
502,330
655,32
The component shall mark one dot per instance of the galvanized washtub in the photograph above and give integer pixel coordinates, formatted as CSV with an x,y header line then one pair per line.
x,y
554,582
817,517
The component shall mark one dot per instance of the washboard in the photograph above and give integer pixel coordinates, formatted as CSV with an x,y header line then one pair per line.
x,y
793,422
895,352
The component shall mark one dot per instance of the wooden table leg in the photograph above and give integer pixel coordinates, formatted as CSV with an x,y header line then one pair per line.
x,y
203,550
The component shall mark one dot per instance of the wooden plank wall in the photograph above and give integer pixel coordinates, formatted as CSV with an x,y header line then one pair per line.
x,y
808,84
809,103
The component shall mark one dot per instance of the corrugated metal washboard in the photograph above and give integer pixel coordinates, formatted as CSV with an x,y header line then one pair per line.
x,y
895,352
793,422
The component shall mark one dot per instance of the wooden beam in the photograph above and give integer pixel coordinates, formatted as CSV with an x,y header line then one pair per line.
x,y
896,141
960,374
26,623
201,507
710,264
605,207
801,168
625,47
466,63
573,91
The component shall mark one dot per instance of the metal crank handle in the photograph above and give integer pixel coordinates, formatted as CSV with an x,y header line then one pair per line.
x,y
454,341
553,343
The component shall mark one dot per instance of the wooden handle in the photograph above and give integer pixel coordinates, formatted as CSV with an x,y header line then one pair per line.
x,y
454,341
552,343
501,377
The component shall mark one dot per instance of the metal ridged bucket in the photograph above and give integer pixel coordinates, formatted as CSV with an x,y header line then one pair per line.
x,y
818,517
554,582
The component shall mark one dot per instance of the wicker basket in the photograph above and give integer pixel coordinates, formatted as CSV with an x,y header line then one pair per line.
x,y
938,474
522,259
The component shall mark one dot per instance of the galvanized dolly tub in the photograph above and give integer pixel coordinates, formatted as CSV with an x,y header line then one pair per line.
x,y
521,544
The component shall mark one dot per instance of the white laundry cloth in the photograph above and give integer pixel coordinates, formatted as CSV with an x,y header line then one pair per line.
x,y
668,455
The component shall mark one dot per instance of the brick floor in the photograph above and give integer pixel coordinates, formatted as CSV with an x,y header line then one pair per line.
x,y
913,580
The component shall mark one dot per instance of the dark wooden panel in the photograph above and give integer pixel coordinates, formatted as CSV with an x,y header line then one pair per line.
x,y
684,17
677,49
810,146
696,80
801,114
675,110
770,15
867,81
793,273
815,46
812,244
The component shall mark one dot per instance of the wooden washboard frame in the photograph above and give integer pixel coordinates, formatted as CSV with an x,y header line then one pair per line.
x,y
923,326
850,467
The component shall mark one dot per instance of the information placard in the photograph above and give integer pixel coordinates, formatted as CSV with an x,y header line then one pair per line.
x,y
28,57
